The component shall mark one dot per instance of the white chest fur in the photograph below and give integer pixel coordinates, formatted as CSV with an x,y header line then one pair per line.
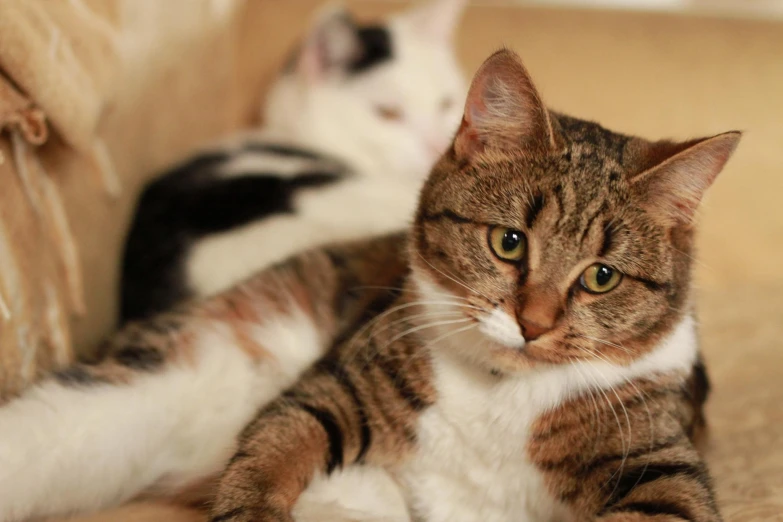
x,y
471,463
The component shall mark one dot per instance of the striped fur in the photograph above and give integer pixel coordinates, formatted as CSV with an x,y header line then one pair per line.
x,y
157,412
486,388
500,389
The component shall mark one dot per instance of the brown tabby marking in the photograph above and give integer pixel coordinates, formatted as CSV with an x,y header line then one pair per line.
x,y
334,287
641,453
356,405
578,194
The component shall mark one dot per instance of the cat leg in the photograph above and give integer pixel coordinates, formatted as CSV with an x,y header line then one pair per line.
x,y
352,408
166,399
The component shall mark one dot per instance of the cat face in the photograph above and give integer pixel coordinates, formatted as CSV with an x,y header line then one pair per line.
x,y
560,239
386,98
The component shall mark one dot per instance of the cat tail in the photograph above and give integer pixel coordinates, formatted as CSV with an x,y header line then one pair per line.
x,y
160,407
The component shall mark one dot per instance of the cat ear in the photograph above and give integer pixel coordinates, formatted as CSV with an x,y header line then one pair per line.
x,y
674,187
503,110
331,44
437,19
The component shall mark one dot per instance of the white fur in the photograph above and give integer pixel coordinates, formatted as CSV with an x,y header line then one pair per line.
x,y
66,449
471,462
355,494
355,208
265,163
503,328
76,449
337,115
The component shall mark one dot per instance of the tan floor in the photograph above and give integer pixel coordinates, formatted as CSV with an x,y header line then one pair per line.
x,y
659,75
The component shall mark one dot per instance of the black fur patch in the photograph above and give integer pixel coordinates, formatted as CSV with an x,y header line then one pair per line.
x,y
535,209
142,358
376,48
331,366
228,515
333,432
651,509
634,477
192,201
75,376
607,241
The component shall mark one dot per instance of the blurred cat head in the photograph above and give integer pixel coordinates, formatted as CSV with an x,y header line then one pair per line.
x,y
387,98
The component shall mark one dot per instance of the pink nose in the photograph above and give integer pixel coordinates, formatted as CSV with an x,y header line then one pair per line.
x,y
532,331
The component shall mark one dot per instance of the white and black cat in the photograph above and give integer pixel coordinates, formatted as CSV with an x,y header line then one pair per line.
x,y
353,124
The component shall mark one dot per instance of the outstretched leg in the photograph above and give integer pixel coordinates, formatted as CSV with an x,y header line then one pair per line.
x,y
163,403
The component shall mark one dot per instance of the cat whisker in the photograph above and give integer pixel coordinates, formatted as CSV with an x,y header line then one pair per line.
x,y
404,306
420,327
433,313
373,354
594,420
411,291
449,334
649,418
693,258
607,343
423,351
455,279
630,430
625,445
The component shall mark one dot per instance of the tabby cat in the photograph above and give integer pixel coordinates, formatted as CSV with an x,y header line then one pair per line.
x,y
525,352
352,127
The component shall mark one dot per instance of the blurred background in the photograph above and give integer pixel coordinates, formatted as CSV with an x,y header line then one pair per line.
x,y
128,87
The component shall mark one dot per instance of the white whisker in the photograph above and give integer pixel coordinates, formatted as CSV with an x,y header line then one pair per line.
x,y
403,306
420,327
607,343
413,291
455,279
626,447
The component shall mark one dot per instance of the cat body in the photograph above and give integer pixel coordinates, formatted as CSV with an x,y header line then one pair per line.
x,y
158,410
526,352
549,276
352,126
223,215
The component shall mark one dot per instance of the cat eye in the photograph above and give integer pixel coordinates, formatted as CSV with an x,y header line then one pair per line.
x,y
389,113
599,279
507,244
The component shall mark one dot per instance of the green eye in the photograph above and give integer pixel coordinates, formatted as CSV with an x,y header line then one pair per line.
x,y
599,279
507,244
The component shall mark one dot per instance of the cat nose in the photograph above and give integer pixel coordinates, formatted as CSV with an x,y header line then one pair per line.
x,y
538,312
532,330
